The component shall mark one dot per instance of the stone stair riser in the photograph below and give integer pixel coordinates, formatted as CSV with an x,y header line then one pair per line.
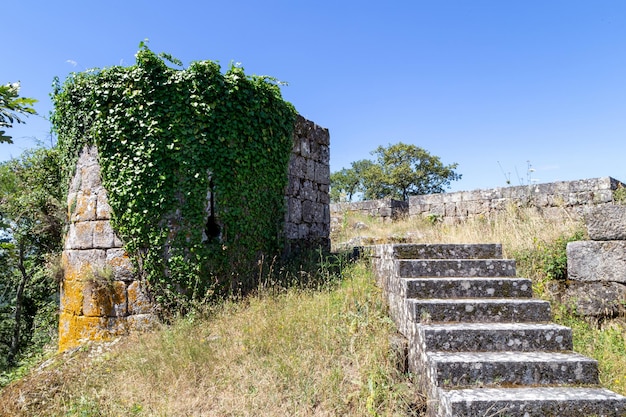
x,y
524,402
529,339
481,373
477,310
465,287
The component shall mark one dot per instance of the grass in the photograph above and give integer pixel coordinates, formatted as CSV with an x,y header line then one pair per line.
x,y
320,346
296,352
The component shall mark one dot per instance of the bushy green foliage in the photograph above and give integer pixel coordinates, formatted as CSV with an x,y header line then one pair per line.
x,y
165,136
31,226
399,171
546,260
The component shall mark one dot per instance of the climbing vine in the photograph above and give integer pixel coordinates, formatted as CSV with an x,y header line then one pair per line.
x,y
170,137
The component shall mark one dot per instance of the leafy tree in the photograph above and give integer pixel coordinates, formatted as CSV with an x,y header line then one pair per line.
x,y
348,182
31,227
11,107
399,171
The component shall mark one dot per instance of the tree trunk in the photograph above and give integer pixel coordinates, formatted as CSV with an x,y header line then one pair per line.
x,y
15,341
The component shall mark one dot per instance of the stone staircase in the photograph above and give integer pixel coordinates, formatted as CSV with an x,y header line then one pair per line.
x,y
479,344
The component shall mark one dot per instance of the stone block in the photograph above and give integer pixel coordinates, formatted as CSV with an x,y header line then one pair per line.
x,y
322,173
71,300
303,231
305,147
78,265
294,208
310,170
606,222
90,177
139,301
84,206
142,322
120,264
103,209
103,235
80,236
599,300
103,297
597,261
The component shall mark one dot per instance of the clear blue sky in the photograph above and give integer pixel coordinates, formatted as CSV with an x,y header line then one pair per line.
x,y
488,84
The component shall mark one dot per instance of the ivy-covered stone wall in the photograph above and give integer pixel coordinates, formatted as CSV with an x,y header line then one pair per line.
x,y
103,296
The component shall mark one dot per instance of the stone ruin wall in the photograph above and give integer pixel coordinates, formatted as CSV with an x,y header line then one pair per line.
x,y
101,297
307,219
552,200
596,268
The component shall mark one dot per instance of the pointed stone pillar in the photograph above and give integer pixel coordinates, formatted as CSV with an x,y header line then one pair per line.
x,y
101,297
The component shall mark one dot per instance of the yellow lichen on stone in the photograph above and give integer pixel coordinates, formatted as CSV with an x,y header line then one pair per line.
x,y
72,296
77,330
138,300
104,299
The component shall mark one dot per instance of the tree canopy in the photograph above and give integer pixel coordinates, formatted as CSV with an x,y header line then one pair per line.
x,y
398,171
11,107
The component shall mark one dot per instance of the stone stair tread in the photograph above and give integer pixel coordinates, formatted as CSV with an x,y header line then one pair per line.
x,y
495,337
526,357
493,326
535,401
447,251
467,287
415,268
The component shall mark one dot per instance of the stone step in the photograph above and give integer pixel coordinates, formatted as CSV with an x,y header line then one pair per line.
x,y
524,402
495,337
450,287
447,251
473,369
417,268
474,310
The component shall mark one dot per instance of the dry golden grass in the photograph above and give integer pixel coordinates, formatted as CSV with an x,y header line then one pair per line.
x,y
516,229
289,353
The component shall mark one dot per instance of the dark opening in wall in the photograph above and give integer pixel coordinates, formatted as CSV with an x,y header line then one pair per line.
x,y
212,229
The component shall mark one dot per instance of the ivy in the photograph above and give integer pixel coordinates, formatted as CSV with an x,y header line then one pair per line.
x,y
166,138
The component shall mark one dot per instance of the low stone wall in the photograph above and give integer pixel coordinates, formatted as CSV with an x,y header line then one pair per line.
x,y
388,209
597,268
550,198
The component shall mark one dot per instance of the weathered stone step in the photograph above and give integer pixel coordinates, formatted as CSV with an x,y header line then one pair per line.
x,y
479,287
467,369
487,310
524,402
496,337
447,251
417,268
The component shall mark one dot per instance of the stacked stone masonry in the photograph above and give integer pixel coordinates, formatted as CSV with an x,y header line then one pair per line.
x,y
553,200
597,267
307,219
387,209
100,296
